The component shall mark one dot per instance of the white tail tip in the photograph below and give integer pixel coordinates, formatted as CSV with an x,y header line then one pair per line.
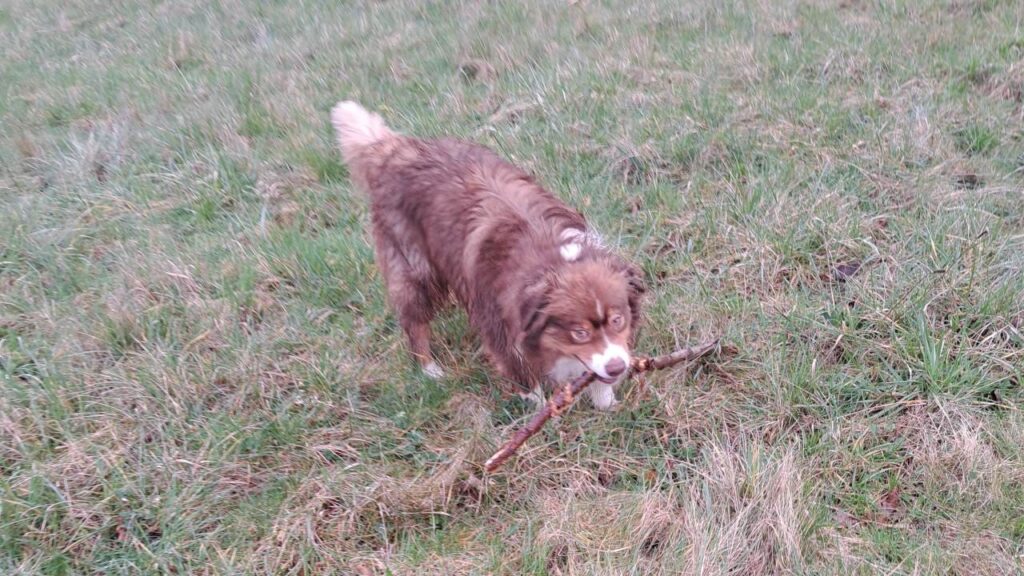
x,y
357,127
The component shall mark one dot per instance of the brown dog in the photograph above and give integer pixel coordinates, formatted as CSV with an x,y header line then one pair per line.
x,y
451,217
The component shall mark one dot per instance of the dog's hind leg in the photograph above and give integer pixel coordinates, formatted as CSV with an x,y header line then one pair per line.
x,y
411,293
417,329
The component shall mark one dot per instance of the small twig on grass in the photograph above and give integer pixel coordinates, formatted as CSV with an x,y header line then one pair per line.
x,y
565,397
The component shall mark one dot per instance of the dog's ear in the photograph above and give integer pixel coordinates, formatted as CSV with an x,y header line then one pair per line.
x,y
533,310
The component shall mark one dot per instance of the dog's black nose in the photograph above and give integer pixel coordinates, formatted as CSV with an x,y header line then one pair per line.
x,y
615,367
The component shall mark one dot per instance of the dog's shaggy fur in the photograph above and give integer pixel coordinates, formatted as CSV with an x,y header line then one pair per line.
x,y
451,217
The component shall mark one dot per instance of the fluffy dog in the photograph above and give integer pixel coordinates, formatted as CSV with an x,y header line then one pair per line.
x,y
453,218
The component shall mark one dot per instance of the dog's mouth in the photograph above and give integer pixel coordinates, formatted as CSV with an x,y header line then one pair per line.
x,y
597,375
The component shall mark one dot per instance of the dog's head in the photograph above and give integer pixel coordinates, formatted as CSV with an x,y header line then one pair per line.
x,y
584,314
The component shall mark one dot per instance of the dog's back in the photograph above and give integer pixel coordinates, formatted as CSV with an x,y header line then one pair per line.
x,y
454,200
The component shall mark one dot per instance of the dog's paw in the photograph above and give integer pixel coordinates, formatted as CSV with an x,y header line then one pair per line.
x,y
534,397
432,370
602,396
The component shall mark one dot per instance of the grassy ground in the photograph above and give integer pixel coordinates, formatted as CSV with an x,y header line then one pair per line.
x,y
198,372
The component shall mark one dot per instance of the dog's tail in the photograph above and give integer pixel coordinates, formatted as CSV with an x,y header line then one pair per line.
x,y
357,128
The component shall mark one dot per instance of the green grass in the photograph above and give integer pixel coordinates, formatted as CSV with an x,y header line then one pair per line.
x,y
199,373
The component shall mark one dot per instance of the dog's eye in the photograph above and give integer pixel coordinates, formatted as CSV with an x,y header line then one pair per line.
x,y
580,335
617,322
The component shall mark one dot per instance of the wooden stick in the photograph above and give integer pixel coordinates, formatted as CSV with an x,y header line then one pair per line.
x,y
565,397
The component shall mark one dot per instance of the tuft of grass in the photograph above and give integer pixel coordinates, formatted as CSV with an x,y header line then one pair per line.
x,y
976,139
199,372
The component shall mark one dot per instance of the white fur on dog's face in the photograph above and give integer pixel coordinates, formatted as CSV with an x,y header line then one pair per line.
x,y
567,368
601,392
598,363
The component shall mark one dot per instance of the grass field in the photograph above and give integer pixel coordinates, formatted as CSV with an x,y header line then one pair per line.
x,y
199,373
